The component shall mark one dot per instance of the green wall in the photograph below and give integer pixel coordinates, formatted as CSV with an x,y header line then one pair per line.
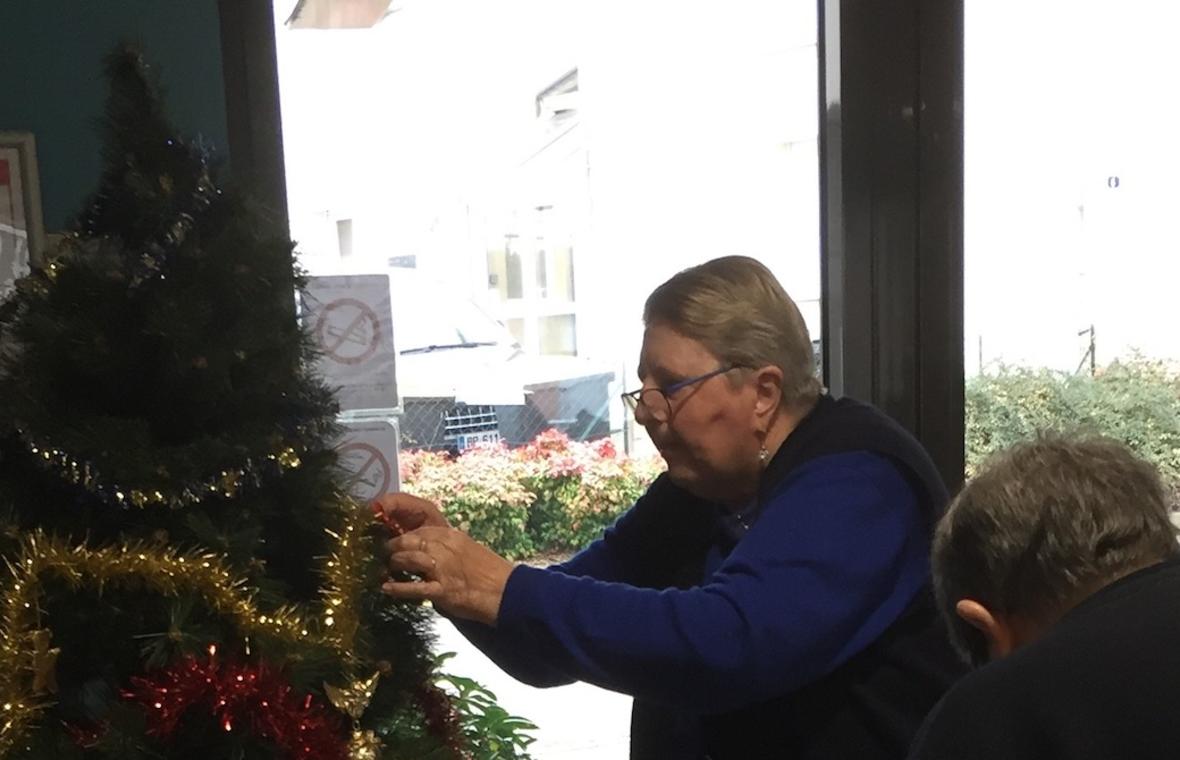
x,y
52,52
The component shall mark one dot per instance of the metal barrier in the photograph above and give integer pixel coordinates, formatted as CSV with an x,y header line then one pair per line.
x,y
580,407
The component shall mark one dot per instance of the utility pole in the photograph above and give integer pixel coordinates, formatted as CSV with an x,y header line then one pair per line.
x,y
1090,352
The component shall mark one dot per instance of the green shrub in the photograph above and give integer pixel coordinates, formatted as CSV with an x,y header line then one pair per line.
x,y
1135,401
491,731
581,488
481,492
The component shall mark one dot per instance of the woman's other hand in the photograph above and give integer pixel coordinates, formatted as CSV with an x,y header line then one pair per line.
x,y
458,575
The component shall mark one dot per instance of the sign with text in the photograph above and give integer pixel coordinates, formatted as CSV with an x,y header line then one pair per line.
x,y
368,454
350,321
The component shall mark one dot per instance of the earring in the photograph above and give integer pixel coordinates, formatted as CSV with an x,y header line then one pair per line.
x,y
763,455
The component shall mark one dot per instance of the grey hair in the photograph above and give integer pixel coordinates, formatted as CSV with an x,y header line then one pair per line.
x,y
1043,525
739,311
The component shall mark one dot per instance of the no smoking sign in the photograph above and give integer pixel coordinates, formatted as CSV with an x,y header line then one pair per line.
x,y
350,319
371,473
348,331
368,453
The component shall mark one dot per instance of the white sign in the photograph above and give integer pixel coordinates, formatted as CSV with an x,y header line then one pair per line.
x,y
368,453
350,321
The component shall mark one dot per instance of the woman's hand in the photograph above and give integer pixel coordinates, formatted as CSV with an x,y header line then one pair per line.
x,y
459,575
403,512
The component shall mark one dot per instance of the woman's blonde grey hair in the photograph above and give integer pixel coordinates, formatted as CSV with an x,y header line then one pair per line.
x,y
739,311
1045,524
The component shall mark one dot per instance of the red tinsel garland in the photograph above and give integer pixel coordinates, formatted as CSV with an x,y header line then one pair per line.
x,y
442,720
241,697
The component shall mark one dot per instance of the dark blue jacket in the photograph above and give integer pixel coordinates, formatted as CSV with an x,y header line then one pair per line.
x,y
793,638
1100,684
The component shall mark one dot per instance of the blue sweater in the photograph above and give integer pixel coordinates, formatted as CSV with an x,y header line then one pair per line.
x,y
839,550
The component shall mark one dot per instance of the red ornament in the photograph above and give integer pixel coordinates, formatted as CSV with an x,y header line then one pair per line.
x,y
86,737
393,525
241,698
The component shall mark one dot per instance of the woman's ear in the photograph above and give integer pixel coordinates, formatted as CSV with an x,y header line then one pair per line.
x,y
768,387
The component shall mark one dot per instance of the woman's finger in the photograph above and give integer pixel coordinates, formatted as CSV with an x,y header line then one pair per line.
x,y
416,540
415,590
417,562
409,512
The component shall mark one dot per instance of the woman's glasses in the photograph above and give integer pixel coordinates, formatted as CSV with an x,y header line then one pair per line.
x,y
657,401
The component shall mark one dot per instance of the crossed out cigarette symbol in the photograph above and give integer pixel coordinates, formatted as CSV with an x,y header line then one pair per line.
x,y
348,331
372,468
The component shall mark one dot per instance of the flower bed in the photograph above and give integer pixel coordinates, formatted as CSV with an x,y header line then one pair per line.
x,y
549,496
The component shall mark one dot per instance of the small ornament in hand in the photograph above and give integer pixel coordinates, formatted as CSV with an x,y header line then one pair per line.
x,y
388,520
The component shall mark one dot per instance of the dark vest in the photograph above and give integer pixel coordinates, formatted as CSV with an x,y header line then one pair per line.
x,y
867,709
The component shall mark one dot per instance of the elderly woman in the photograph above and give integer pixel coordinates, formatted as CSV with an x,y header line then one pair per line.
x,y
769,595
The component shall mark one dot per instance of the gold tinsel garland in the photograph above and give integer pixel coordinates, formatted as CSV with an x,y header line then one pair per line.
x,y
224,483
341,594
344,575
82,473
24,644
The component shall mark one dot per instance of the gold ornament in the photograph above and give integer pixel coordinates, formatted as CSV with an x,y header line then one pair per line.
x,y
354,698
364,745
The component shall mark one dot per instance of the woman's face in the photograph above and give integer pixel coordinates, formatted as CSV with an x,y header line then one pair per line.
x,y
710,439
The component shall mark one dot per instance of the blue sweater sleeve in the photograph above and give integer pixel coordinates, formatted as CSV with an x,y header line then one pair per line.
x,y
517,652
835,557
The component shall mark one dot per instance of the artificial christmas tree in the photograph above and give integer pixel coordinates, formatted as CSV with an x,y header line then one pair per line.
x,y
186,576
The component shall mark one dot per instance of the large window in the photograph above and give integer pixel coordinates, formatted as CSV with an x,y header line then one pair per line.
x,y
549,162
1072,250
553,160
1072,162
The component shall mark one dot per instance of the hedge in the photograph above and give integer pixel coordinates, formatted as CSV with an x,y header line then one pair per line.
x,y
557,495
1136,401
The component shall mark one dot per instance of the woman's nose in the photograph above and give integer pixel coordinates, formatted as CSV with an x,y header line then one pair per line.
x,y
643,414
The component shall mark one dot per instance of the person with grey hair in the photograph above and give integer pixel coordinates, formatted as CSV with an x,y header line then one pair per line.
x,y
1059,564
768,596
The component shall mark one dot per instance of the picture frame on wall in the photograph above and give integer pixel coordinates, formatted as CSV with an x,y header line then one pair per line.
x,y
22,234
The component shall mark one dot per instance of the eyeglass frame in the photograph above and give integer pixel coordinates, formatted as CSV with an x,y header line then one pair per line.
x,y
632,399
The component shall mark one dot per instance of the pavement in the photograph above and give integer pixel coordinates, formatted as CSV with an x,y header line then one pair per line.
x,y
575,722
